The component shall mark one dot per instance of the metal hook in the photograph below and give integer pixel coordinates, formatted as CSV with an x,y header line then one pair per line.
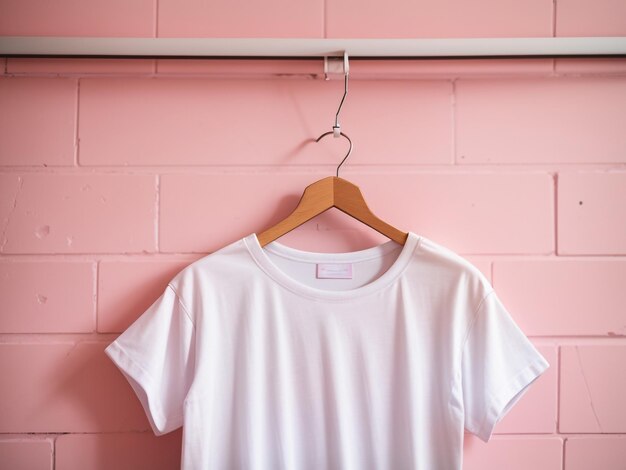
x,y
349,150
337,127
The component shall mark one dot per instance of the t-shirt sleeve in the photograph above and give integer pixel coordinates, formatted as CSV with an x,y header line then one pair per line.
x,y
499,364
156,354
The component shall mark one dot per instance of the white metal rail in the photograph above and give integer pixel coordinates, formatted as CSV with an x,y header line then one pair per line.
x,y
237,48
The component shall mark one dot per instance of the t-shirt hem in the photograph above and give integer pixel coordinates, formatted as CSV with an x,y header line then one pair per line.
x,y
502,401
137,376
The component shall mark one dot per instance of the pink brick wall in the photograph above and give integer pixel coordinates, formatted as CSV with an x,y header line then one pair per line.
x,y
116,174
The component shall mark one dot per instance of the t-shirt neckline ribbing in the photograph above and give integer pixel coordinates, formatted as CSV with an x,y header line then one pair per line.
x,y
278,275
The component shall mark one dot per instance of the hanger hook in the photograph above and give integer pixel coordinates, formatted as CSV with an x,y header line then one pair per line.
x,y
337,127
349,150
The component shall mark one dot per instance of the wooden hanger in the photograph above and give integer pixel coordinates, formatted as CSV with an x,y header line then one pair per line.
x,y
324,194
332,191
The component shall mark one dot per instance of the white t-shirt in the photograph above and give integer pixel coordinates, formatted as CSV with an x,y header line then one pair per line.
x,y
379,366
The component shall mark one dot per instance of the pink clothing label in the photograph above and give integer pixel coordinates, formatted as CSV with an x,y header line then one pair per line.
x,y
334,270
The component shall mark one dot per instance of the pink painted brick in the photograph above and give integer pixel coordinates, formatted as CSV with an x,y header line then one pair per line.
x,y
64,387
594,65
591,213
10,186
407,123
38,122
221,18
47,296
114,18
207,227
447,18
564,296
81,213
513,453
532,120
26,454
475,213
597,452
584,18
170,121
127,288
80,66
118,451
468,212
593,387
536,411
